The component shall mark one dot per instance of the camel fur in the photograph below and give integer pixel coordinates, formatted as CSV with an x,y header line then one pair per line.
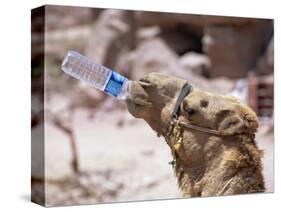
x,y
207,164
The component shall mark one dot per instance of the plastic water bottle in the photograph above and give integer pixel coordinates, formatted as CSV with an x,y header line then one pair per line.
x,y
104,79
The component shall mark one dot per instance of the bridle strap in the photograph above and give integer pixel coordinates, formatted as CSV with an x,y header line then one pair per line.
x,y
201,129
175,123
186,89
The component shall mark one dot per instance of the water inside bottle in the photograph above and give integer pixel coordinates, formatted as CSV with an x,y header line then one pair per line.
x,y
86,70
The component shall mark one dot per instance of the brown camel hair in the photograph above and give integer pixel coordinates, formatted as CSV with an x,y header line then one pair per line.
x,y
207,164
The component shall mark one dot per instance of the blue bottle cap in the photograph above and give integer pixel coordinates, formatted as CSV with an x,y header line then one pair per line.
x,y
114,84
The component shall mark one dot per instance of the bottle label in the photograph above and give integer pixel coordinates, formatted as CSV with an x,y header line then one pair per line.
x,y
114,84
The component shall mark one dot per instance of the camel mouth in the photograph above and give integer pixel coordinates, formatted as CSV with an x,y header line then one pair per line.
x,y
144,82
138,98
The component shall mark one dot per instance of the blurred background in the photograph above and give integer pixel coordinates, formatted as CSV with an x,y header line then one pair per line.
x,y
95,151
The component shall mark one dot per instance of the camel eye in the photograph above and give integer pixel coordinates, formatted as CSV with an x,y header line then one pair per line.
x,y
204,103
189,111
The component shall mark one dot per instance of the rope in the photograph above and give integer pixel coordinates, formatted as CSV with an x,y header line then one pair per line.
x,y
202,129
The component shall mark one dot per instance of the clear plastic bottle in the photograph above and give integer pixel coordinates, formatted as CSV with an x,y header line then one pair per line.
x,y
104,79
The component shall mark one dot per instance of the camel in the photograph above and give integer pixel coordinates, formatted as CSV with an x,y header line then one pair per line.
x,y
218,155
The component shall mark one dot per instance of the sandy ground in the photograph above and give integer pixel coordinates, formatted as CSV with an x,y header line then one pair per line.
x,y
120,163
120,158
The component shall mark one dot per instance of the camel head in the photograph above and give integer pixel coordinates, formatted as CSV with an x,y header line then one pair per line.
x,y
153,97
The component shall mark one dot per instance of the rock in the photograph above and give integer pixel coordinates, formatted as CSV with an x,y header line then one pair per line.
x,y
265,63
61,17
72,31
233,49
58,42
113,35
198,63
220,85
173,42
169,19
152,56
192,23
180,41
110,105
240,90
146,33
88,97
233,44
124,64
270,53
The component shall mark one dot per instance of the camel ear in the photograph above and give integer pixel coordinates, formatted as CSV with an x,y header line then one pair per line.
x,y
231,125
251,121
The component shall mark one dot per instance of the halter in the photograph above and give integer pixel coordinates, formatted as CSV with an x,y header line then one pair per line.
x,y
175,128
